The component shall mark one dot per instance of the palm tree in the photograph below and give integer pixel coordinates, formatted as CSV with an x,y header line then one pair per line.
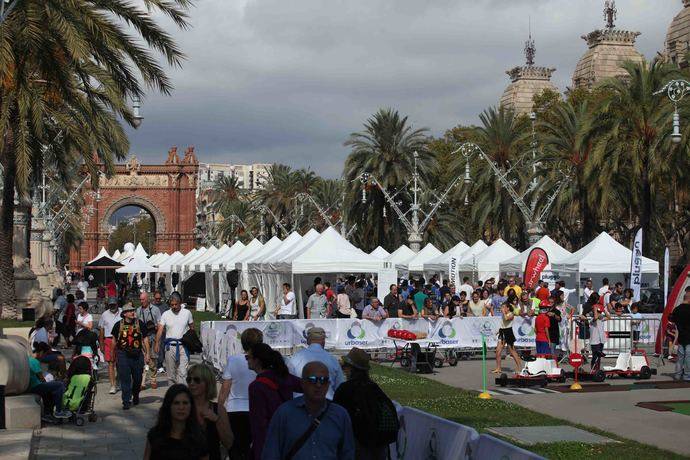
x,y
568,139
385,150
68,67
504,138
278,194
633,153
225,192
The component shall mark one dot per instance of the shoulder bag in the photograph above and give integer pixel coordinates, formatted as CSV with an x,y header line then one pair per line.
x,y
307,434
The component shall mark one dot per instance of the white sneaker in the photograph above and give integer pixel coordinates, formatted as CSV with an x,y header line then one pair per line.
x,y
112,390
161,370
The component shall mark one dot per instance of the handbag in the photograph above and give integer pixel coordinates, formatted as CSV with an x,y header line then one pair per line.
x,y
191,342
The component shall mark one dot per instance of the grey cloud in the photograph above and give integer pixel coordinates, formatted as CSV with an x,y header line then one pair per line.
x,y
270,80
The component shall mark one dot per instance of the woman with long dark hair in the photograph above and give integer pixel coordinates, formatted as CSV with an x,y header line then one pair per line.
x,y
176,434
273,386
242,307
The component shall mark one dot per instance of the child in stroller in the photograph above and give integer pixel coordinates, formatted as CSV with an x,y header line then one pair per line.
x,y
81,389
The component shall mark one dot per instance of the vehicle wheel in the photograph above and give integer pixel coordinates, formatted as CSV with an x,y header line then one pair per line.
x,y
453,360
503,380
438,362
93,418
599,376
645,373
405,362
543,383
79,421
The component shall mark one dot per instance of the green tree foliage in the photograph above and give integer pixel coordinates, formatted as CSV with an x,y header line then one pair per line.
x,y
136,230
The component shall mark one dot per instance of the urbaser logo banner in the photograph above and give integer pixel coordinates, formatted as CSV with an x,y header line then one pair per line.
x,y
536,263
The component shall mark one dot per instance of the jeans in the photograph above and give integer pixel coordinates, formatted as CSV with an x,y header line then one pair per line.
x,y
286,317
129,373
56,389
683,363
176,363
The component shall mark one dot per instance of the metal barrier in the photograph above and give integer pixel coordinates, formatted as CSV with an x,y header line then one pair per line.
x,y
623,334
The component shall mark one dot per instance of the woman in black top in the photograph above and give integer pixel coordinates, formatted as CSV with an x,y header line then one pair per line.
x,y
214,423
242,307
176,435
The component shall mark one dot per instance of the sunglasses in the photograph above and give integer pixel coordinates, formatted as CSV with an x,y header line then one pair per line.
x,y
314,379
196,380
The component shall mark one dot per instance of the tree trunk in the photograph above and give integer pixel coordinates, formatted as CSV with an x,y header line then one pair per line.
x,y
8,300
588,220
646,215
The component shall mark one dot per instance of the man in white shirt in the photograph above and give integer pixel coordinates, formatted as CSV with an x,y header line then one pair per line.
x,y
605,288
176,322
105,326
466,287
286,310
316,342
588,291
234,393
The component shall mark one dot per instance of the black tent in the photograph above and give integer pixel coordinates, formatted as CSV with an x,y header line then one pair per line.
x,y
103,270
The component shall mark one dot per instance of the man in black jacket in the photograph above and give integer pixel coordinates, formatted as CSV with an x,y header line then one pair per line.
x,y
681,318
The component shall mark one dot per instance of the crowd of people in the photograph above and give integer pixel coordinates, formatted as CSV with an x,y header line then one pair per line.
x,y
310,405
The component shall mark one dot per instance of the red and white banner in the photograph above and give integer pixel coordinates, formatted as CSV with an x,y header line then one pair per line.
x,y
536,263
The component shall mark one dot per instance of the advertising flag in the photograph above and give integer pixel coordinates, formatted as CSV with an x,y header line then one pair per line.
x,y
636,266
536,263
453,273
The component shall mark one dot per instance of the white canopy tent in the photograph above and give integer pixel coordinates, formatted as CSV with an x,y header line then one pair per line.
x,y
191,255
218,268
604,257
116,254
137,265
401,256
101,253
168,260
242,259
198,264
439,264
254,264
127,252
416,264
222,251
380,253
227,261
516,265
190,267
485,264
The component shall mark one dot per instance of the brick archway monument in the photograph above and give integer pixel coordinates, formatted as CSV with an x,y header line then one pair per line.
x,y
166,191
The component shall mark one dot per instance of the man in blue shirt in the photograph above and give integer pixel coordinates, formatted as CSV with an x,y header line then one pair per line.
x,y
327,424
315,351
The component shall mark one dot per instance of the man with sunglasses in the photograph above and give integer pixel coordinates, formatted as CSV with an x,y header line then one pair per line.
x,y
310,426
315,351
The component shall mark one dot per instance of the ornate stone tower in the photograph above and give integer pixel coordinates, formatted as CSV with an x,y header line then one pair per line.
x,y
608,49
678,37
526,81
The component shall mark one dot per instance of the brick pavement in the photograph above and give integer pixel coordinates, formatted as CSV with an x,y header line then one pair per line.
x,y
117,434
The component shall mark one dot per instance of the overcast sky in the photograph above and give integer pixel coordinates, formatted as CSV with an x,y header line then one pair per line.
x,y
288,81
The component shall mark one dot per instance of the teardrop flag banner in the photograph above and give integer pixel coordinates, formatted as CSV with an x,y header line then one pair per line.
x,y
536,263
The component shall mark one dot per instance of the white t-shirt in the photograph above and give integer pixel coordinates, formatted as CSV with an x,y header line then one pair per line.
x,y
603,290
588,293
467,289
287,308
176,324
108,320
87,318
241,376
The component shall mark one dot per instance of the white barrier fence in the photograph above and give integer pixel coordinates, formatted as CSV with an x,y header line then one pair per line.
x,y
222,338
426,436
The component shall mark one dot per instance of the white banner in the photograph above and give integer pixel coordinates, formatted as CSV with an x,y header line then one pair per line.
x,y
426,436
453,273
359,333
636,266
300,327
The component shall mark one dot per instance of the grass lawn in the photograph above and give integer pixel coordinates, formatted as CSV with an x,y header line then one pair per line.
x,y
466,408
200,316
15,323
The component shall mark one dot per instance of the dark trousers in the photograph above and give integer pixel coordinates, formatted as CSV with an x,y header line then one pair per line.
x,y
597,352
129,373
161,352
239,423
54,390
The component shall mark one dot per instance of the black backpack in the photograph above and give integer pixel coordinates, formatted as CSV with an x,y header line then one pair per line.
x,y
374,416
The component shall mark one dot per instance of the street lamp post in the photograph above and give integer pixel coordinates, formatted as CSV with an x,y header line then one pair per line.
x,y
676,91
533,219
302,197
415,228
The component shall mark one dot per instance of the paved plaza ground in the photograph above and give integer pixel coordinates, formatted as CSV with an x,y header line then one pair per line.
x,y
612,411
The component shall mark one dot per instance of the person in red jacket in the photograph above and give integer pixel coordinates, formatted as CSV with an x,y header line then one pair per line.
x,y
541,329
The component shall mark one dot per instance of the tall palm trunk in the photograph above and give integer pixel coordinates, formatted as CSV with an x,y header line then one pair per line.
x,y
646,214
8,299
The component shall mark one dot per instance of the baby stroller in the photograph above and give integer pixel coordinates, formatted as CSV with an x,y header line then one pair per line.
x,y
86,343
80,395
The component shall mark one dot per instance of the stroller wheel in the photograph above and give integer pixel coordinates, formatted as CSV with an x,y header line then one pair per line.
x,y
93,417
79,420
453,360
438,362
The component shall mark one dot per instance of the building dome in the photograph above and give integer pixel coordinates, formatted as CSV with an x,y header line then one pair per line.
x,y
678,36
526,82
608,49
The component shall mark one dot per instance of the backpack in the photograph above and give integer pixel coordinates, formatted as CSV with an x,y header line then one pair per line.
x,y
375,415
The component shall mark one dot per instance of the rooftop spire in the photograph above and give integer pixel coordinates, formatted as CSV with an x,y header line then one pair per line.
x,y
530,48
610,13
